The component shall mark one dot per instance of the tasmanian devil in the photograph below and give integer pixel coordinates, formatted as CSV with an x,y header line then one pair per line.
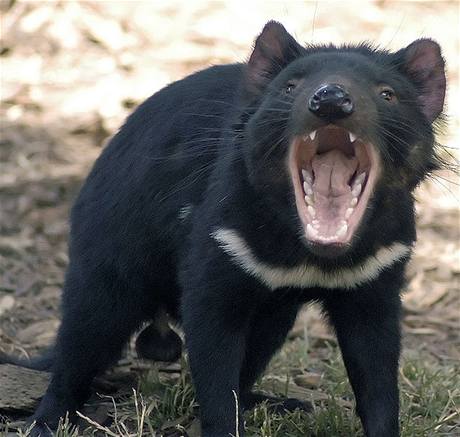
x,y
232,197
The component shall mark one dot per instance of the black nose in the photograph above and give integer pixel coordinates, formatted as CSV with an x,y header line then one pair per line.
x,y
331,101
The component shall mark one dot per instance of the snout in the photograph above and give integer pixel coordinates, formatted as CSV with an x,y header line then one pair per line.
x,y
331,101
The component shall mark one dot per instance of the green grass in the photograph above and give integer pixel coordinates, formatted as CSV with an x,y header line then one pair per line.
x,y
164,404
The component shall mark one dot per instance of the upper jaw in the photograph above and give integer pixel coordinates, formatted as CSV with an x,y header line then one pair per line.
x,y
334,174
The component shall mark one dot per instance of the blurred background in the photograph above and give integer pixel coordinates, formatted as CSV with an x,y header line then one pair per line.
x,y
71,71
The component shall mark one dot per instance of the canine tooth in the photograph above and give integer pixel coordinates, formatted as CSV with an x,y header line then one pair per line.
x,y
309,200
342,231
307,188
354,201
356,190
352,137
312,135
307,176
311,231
349,212
311,211
360,178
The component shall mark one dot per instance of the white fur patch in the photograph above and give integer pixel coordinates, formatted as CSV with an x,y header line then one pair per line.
x,y
185,211
305,276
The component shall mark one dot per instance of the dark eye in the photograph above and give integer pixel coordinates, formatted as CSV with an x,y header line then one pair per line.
x,y
290,87
388,94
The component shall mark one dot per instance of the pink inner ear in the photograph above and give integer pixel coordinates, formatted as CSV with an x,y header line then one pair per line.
x,y
272,38
425,64
268,48
258,68
272,49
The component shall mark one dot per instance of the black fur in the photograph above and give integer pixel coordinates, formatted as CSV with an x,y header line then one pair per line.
x,y
216,143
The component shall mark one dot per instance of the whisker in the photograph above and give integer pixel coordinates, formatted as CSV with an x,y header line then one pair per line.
x,y
435,178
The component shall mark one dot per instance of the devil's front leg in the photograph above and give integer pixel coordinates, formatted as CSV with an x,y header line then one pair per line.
x,y
367,323
268,330
216,308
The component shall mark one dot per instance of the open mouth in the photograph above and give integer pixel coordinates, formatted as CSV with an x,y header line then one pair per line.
x,y
334,174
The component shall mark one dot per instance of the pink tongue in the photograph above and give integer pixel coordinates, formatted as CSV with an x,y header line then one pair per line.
x,y
333,170
332,192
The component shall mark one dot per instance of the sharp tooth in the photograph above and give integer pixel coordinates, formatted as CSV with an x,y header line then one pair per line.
x,y
312,135
349,212
354,201
307,176
307,188
311,231
305,137
311,211
360,178
342,231
352,137
309,200
342,223
315,224
356,190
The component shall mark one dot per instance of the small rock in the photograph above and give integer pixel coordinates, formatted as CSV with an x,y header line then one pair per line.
x,y
6,303
308,380
444,272
40,333
21,388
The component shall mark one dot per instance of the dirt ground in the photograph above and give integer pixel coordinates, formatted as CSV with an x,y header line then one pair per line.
x,y
72,71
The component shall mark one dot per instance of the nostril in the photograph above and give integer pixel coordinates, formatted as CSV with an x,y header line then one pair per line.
x,y
331,101
314,103
347,106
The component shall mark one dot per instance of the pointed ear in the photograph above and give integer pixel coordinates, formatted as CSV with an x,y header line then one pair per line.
x,y
424,64
273,50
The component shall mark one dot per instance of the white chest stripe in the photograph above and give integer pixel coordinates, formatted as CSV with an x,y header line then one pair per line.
x,y
305,276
